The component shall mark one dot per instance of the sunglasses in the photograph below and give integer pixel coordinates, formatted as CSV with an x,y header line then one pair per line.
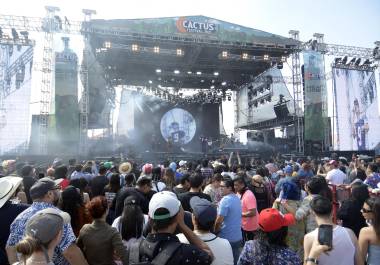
x,y
364,210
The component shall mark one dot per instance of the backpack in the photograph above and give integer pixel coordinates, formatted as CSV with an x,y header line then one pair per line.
x,y
161,259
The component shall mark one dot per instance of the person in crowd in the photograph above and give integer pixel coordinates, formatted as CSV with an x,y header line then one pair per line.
x,y
315,186
369,237
60,172
131,223
184,185
249,222
196,183
141,192
43,232
263,198
130,180
305,172
213,189
99,182
206,171
162,246
98,240
290,198
228,220
288,170
182,166
45,194
10,208
203,217
28,179
125,168
349,211
158,183
178,175
50,173
335,176
269,247
72,203
82,185
373,177
168,179
112,188
345,249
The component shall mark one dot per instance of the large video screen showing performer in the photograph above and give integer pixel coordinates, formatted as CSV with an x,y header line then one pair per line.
x,y
357,123
163,126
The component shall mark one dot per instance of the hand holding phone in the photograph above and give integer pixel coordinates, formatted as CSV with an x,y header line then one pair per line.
x,y
325,235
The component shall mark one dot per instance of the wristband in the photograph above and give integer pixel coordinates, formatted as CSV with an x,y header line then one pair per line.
x,y
314,260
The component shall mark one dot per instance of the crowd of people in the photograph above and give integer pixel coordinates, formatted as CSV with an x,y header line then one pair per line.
x,y
220,211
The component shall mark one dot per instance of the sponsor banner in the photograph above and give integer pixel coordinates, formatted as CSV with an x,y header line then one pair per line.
x,y
315,96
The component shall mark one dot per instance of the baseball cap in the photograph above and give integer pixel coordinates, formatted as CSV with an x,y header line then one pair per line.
x,y
182,163
333,162
46,224
271,219
42,186
147,169
288,169
203,210
164,200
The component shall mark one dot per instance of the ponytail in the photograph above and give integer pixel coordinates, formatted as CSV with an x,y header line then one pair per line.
x,y
27,246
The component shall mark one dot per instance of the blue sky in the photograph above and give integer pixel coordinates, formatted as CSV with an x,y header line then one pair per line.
x,y
350,22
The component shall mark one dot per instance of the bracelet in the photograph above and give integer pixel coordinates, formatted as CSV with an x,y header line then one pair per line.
x,y
314,260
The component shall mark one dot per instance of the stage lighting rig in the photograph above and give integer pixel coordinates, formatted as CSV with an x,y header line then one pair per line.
x,y
357,62
15,34
344,61
224,54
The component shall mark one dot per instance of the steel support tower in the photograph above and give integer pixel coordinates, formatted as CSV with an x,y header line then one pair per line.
x,y
297,95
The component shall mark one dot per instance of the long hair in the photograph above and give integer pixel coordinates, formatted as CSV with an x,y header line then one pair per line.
x,y
277,237
132,220
114,183
374,204
71,200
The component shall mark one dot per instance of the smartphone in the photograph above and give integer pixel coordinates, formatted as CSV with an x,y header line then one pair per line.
x,y
325,235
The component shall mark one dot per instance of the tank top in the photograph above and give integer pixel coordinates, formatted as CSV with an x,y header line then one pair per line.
x,y
343,251
373,255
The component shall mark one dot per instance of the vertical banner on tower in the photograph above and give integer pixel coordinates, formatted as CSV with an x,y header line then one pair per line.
x,y
315,96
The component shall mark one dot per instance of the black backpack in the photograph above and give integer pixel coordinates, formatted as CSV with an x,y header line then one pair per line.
x,y
161,259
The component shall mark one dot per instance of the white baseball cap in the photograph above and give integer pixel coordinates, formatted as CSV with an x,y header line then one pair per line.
x,y
165,200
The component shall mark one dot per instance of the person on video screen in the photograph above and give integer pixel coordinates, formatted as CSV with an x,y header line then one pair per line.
x,y
177,135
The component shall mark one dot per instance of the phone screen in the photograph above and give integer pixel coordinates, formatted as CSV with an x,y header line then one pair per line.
x,y
325,235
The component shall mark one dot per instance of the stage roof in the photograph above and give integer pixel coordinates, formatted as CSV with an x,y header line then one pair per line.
x,y
184,52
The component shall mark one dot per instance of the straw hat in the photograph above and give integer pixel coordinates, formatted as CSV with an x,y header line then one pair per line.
x,y
125,168
8,186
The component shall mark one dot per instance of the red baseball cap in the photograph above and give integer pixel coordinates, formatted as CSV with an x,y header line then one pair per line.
x,y
271,219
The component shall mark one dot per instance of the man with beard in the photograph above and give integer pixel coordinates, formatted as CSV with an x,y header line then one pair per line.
x,y
45,194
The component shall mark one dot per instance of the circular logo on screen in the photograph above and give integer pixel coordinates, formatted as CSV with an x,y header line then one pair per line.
x,y
178,126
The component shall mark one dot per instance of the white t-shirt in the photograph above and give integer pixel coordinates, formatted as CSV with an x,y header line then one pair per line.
x,y
343,250
220,247
335,176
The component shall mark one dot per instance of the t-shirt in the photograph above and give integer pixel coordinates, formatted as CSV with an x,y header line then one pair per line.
x,y
220,247
97,185
335,177
230,209
248,202
184,198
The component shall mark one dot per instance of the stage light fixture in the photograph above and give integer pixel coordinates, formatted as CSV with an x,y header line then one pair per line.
x,y
212,87
338,60
1,32
25,34
266,57
135,47
357,62
224,54
344,61
107,44
15,34
224,83
158,70
189,72
176,72
156,49
179,52
367,62
150,81
199,72
202,81
216,73
244,56
283,59
352,61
